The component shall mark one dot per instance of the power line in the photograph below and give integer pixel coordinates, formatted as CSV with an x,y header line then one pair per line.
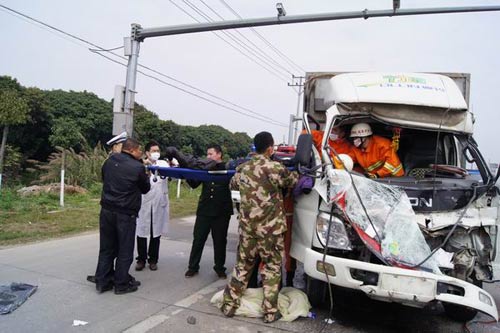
x,y
97,49
236,39
229,43
262,56
275,49
270,69
264,62
192,93
108,50
64,35
211,95
248,40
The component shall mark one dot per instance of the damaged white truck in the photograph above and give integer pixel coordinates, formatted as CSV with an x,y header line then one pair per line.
x,y
428,236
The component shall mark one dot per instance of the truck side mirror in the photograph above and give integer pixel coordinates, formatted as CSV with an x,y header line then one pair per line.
x,y
304,149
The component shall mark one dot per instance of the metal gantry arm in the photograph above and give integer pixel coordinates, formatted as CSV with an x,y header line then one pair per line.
x,y
123,112
143,33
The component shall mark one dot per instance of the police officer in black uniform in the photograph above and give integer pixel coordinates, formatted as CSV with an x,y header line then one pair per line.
x,y
213,214
124,180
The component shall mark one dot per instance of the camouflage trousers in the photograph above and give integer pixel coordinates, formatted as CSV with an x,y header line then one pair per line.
x,y
270,250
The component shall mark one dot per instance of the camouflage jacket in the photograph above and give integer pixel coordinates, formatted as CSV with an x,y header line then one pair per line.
x,y
261,182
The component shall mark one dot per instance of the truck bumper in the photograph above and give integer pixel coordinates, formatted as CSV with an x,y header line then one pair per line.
x,y
409,287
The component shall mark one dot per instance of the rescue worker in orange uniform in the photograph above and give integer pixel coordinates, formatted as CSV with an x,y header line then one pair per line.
x,y
336,140
374,153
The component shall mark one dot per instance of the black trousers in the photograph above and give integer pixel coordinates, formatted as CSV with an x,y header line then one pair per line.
x,y
217,225
154,246
116,241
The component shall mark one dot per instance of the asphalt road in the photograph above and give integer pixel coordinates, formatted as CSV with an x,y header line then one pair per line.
x,y
168,302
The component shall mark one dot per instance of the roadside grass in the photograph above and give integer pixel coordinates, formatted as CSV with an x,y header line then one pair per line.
x,y
187,202
33,218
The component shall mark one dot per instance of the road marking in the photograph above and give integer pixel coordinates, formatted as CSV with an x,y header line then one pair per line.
x,y
177,311
147,324
211,288
156,320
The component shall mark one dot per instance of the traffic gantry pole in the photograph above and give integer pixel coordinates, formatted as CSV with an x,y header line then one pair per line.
x,y
123,113
133,44
123,107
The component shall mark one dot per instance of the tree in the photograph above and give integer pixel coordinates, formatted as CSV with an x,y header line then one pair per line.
x,y
92,115
36,129
11,164
13,111
66,134
82,119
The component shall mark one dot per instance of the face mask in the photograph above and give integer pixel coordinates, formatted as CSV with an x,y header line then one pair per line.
x,y
334,136
155,157
357,142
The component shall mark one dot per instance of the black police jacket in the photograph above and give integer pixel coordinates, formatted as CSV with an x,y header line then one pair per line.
x,y
215,198
124,180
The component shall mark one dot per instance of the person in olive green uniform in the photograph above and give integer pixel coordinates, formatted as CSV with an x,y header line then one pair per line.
x,y
214,211
262,226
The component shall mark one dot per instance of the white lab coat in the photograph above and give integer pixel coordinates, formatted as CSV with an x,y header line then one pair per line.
x,y
157,201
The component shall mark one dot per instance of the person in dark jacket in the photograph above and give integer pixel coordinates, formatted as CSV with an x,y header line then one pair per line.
x,y
214,211
124,181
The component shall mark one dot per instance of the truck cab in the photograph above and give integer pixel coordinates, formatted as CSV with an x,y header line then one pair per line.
x,y
429,235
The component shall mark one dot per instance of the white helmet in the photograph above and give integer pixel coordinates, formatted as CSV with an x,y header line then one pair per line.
x,y
361,130
345,161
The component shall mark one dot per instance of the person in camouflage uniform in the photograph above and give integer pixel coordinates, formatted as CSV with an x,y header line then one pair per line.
x,y
262,226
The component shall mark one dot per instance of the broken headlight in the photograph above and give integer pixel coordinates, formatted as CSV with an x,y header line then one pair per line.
x,y
337,238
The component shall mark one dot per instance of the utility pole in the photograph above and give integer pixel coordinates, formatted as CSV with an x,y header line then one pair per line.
x,y
297,117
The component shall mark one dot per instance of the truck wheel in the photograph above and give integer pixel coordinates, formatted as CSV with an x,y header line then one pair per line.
x,y
316,291
462,313
458,312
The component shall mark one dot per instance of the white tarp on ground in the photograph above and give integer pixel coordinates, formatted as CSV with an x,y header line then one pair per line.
x,y
390,212
292,303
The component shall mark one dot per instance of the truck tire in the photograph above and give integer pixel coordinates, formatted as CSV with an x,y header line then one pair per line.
x,y
462,313
458,312
316,291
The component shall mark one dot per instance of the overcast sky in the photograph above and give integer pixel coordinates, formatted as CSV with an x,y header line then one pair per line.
x,y
467,43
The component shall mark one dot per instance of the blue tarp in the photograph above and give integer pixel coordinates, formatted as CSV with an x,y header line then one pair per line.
x,y
194,174
11,297
201,175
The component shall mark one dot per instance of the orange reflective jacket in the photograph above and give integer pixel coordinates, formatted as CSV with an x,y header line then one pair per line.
x,y
341,146
317,136
379,158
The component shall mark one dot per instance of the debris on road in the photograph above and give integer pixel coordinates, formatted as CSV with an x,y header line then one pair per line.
x,y
329,321
11,297
77,322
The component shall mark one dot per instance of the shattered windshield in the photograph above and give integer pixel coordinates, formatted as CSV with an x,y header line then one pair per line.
x,y
388,225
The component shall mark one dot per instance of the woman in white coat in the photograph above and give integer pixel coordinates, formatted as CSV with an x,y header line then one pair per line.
x,y
153,217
